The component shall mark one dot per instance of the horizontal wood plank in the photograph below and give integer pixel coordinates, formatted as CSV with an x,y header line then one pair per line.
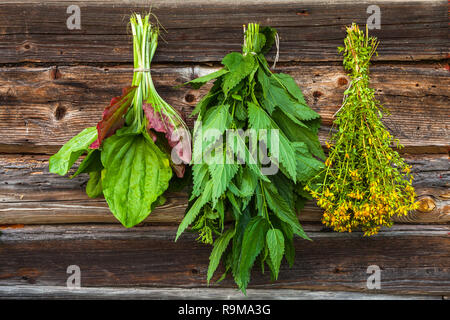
x,y
206,31
60,292
42,108
29,194
412,259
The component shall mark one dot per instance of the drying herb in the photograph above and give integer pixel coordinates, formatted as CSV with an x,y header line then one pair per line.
x,y
365,181
140,140
260,202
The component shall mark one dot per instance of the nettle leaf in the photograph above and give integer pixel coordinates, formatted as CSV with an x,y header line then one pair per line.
x,y
307,165
252,244
239,66
220,245
195,209
276,95
214,123
200,175
136,173
283,211
291,86
200,81
221,175
94,186
300,134
64,159
260,120
275,243
238,148
269,34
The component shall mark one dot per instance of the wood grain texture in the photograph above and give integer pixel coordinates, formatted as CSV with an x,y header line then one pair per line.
x,y
42,108
60,292
29,194
198,32
412,259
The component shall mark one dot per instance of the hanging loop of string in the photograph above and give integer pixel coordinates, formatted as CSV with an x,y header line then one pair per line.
x,y
277,56
344,99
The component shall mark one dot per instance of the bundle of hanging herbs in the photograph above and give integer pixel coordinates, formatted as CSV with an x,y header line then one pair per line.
x,y
235,181
365,181
140,140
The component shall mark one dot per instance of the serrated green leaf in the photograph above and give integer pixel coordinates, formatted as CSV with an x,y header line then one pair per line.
x,y
291,86
259,120
221,175
195,209
136,173
275,243
282,210
200,178
300,134
307,166
200,81
239,66
277,96
252,244
63,160
220,246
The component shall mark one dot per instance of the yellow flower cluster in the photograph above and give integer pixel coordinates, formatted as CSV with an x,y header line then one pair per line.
x,y
365,182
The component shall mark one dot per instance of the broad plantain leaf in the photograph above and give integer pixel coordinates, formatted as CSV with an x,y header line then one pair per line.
x,y
136,173
63,160
94,186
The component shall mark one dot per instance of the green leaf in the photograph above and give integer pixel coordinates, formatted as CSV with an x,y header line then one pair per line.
x,y
195,209
275,243
198,82
258,120
220,246
291,86
307,166
92,162
221,175
94,186
63,160
296,133
215,121
240,66
282,210
252,244
269,34
200,178
136,173
276,95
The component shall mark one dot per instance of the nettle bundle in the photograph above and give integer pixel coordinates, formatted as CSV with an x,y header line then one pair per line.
x,y
260,192
140,140
365,181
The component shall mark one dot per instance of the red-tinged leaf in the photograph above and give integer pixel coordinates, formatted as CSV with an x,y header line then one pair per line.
x,y
112,118
175,134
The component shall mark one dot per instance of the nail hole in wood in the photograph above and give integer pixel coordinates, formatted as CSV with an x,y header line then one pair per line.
x,y
60,112
189,98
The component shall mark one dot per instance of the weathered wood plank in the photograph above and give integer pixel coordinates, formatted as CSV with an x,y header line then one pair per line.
x,y
199,31
412,259
29,194
60,292
41,108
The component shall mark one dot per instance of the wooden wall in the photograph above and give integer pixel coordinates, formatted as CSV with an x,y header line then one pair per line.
x,y
55,81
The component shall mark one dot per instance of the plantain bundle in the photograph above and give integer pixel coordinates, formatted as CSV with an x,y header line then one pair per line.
x,y
260,195
365,182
